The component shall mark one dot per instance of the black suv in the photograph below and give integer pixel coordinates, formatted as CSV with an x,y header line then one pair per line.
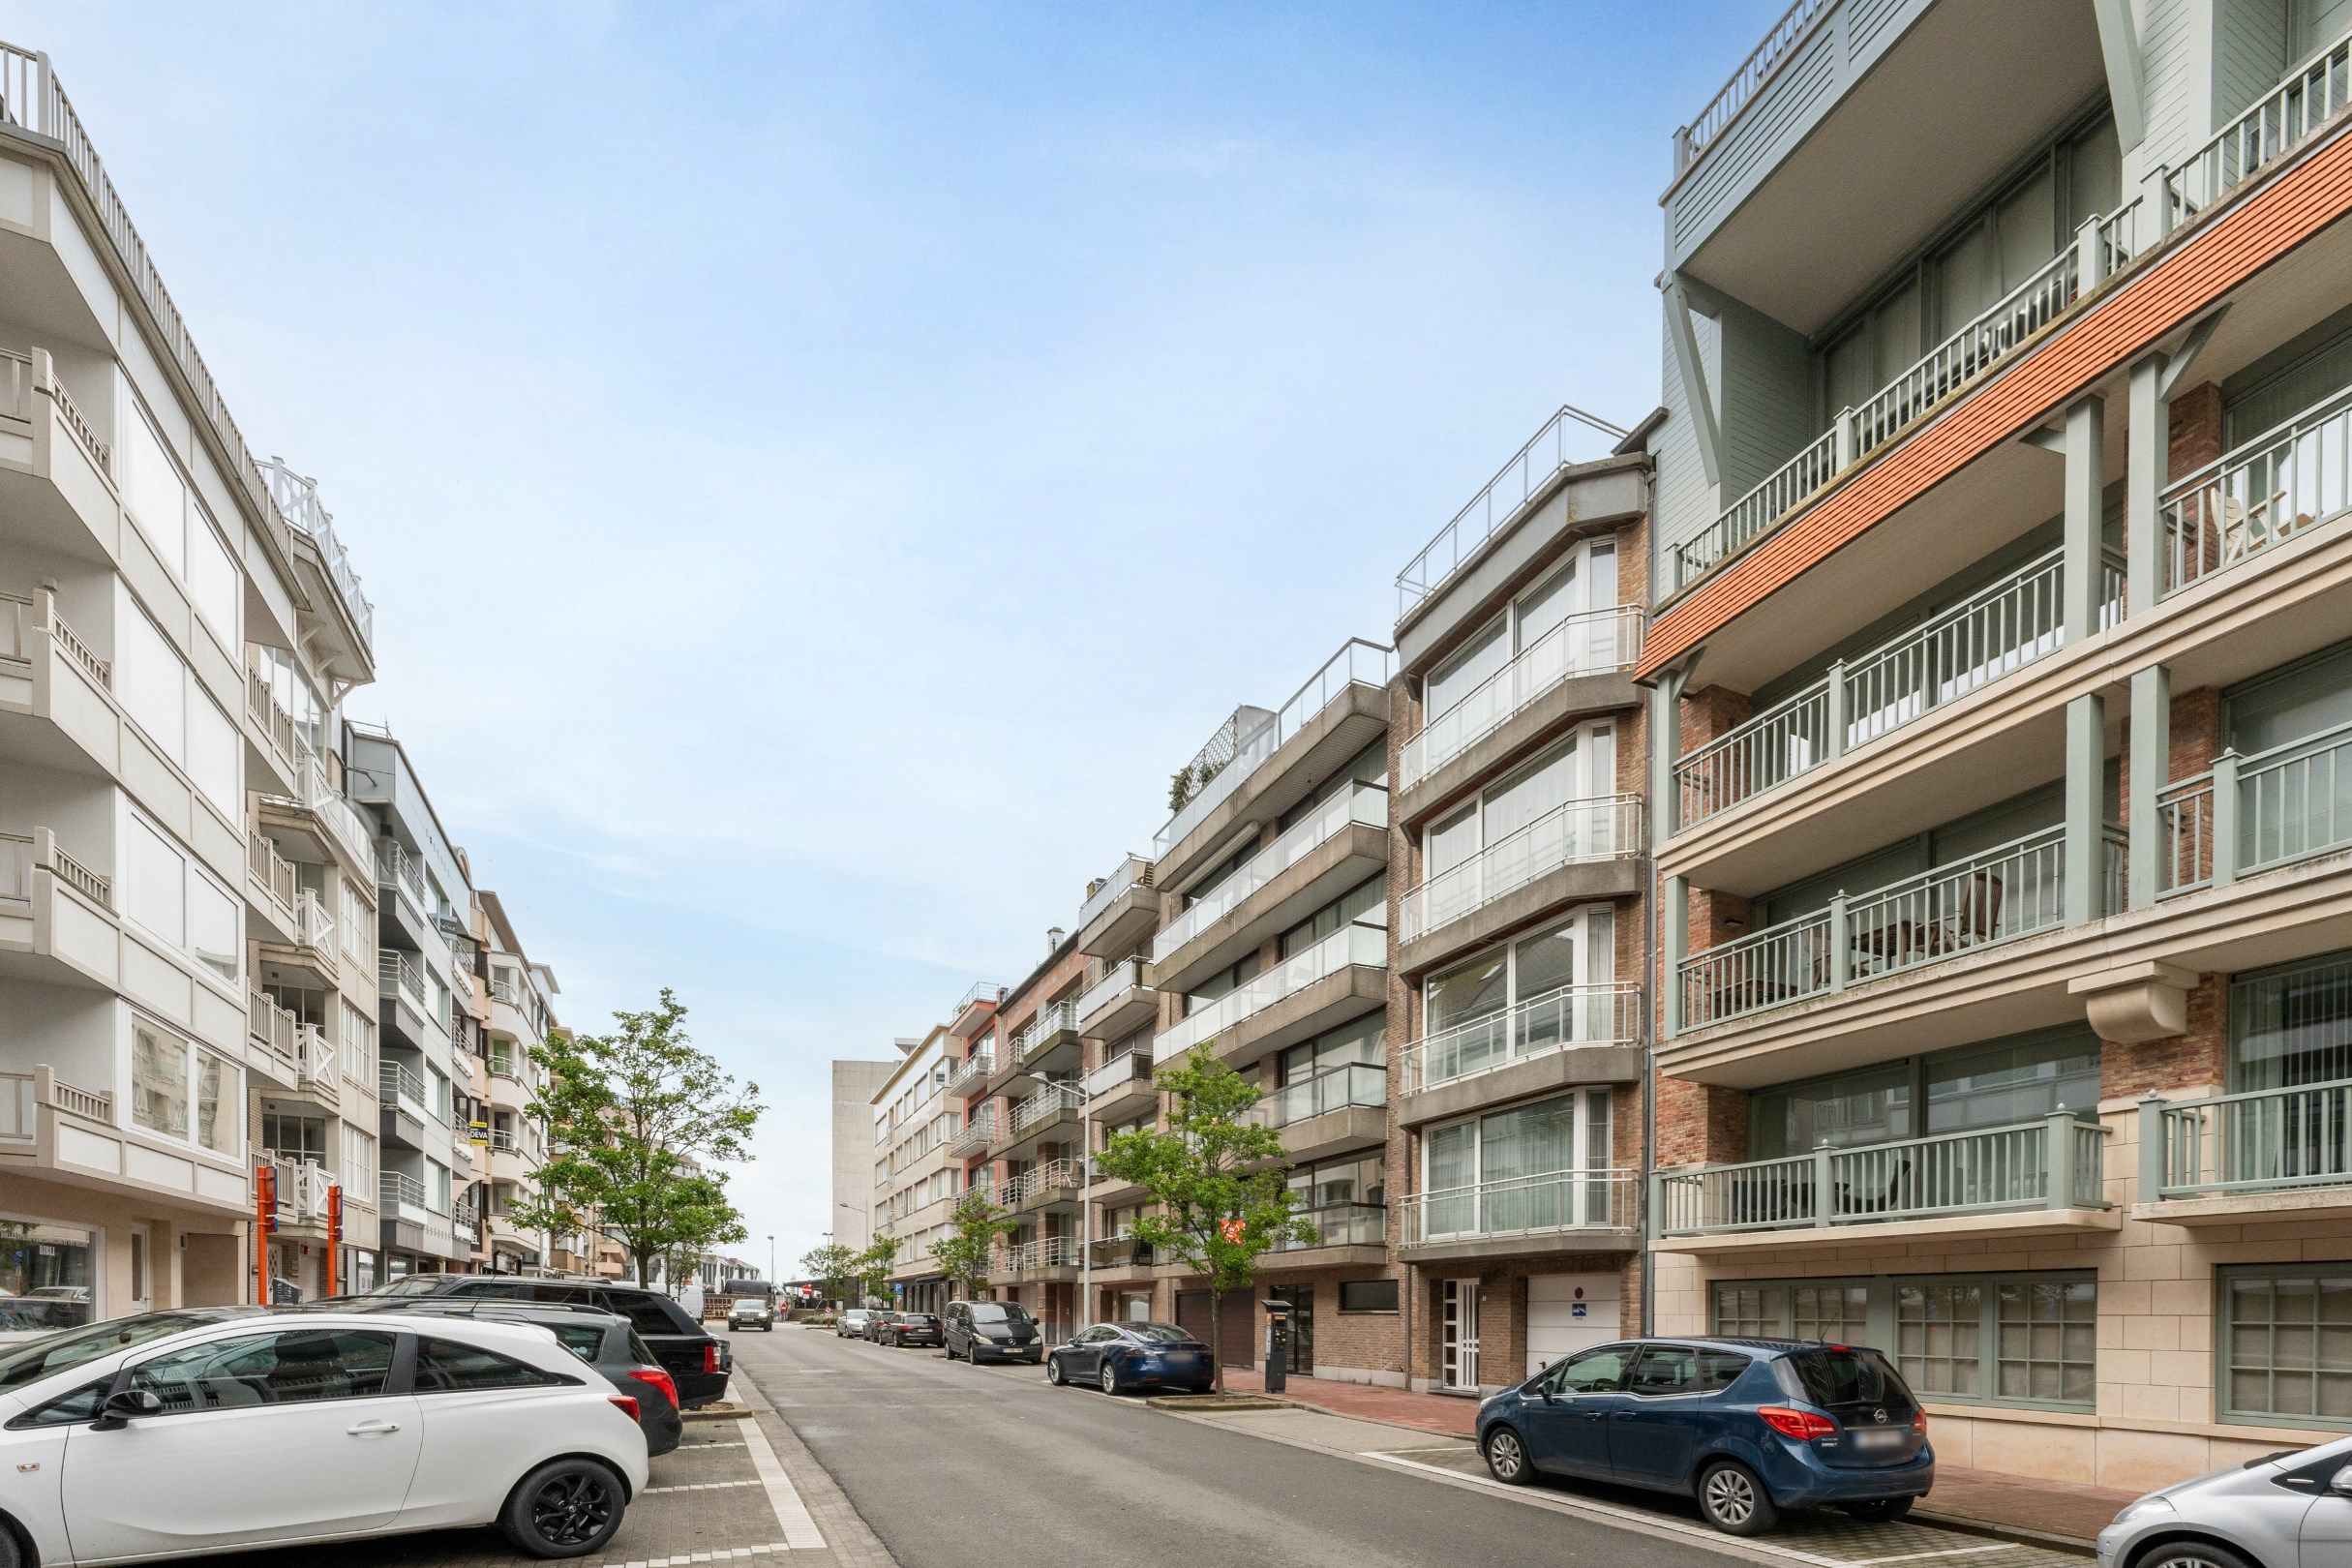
x,y
978,1331
696,1360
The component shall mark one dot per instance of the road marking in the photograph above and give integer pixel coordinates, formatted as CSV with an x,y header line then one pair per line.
x,y
765,1550
700,1486
1955,1551
691,1448
800,1530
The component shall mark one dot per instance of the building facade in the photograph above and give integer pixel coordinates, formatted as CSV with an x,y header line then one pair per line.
x,y
857,1182
914,1185
2000,689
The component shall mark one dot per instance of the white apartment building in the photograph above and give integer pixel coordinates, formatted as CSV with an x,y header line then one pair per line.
x,y
914,1187
855,1185
520,1018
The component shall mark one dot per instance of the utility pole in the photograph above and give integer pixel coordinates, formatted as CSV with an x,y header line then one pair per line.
x,y
771,1259
1086,1210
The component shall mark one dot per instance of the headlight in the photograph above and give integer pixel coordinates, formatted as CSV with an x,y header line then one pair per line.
x,y
2145,1507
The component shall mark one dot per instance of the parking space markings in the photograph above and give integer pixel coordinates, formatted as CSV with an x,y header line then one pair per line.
x,y
1955,1551
800,1530
700,1486
768,1549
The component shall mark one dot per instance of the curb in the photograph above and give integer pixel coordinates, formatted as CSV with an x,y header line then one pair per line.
x,y
1963,1524
716,1410
1211,1402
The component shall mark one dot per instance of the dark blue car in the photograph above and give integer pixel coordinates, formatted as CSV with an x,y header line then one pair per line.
x,y
1747,1427
1117,1356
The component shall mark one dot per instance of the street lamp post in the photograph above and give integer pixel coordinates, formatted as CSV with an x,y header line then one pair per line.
x,y
1086,1210
771,1259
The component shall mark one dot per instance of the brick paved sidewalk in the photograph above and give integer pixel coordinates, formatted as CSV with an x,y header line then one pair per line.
x,y
2014,1505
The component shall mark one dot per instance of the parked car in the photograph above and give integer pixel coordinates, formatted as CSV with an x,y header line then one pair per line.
x,y
912,1328
980,1331
1118,1356
752,1312
698,1362
603,1339
1747,1427
2274,1512
850,1322
146,1436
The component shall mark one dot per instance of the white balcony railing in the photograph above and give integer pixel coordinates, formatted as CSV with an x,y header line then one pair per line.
x,y
1061,1018
317,796
1549,1204
399,866
974,1071
398,1190
1591,643
2262,1140
398,973
2306,97
1557,1020
1564,442
297,498
1359,1085
272,873
1359,945
1133,872
270,716
1121,978
397,1082
1572,833
2260,495
314,926
1052,1176
2051,1163
1046,1103
1043,1253
975,1134
1121,1071
1357,663
272,1027
314,1056
1996,630
303,1186
2249,814
1361,804
1780,41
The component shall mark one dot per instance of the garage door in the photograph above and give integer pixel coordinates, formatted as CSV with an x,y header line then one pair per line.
x,y
1569,1312
1192,1314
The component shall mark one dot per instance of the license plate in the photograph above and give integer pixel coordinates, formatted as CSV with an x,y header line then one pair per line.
x,y
1872,1441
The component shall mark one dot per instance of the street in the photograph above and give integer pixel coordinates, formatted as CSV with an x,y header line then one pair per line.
x,y
950,1464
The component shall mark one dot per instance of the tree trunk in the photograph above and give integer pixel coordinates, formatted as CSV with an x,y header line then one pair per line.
x,y
1217,1335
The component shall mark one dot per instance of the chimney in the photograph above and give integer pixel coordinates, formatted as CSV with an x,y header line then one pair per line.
x,y
1053,937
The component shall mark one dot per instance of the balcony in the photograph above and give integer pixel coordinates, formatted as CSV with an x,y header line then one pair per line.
x,y
54,907
1121,1002
1595,644
2251,814
272,743
1049,1184
317,1077
1950,912
1993,632
1117,914
1051,1036
2231,1158
1560,1040
304,1190
2258,495
1343,975
1123,1082
1054,1109
313,948
1332,849
1341,709
400,877
403,1093
1345,1108
2047,1175
974,1138
1120,1259
971,1079
1044,1260
318,810
271,887
1567,1211
401,1199
1347,1235
271,1030
1578,850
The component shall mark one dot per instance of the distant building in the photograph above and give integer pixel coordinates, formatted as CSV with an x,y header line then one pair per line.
x,y
855,1183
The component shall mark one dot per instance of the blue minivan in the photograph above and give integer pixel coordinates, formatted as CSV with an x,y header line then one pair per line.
x,y
1747,1427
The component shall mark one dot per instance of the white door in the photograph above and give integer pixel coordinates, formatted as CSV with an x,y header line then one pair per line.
x,y
1457,1334
1567,1312
142,1271
272,1436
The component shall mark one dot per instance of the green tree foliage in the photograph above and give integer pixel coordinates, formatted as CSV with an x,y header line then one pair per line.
x,y
963,1256
1215,1180
834,1268
636,1118
873,1265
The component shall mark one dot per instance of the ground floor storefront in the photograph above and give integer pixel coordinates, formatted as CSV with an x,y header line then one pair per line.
x,y
1484,1324
71,1254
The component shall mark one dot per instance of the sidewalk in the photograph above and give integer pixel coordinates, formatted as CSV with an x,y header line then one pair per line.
x,y
2016,1507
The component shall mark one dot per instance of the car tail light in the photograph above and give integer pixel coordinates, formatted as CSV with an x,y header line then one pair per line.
x,y
710,1360
655,1377
626,1406
1918,1422
1802,1425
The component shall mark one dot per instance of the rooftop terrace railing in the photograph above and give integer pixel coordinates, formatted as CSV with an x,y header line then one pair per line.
x,y
1780,41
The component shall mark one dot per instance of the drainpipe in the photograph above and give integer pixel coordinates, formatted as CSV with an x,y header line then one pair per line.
x,y
1651,917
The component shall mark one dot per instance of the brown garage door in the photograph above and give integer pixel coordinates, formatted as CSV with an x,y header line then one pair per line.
x,y
1192,1314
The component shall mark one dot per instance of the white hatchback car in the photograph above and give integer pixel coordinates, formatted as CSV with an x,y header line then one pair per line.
x,y
174,1433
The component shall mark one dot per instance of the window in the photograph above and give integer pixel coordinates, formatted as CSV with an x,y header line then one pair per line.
x,y
67,1410
1487,1176
2001,1083
1665,1370
46,1279
289,1366
1518,999
358,1035
1368,899
172,709
448,1366
219,1102
2047,1342
179,903
1586,579
2286,1344
1352,1043
1520,826
1939,1339
583,1339
159,1080
1368,1295
1594,1371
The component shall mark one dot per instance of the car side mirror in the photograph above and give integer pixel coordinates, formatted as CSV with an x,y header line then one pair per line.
x,y
121,1408
2340,1482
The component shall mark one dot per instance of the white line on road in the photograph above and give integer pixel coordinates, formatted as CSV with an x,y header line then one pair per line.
x,y
716,1554
700,1486
696,1448
1955,1551
800,1530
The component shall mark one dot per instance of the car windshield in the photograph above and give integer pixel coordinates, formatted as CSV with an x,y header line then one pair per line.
x,y
917,1319
57,1352
1157,1333
1835,1376
999,1311
414,1284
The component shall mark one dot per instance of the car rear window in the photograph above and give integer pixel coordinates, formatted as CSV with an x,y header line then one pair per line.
x,y
1835,1376
999,1311
651,1314
582,1339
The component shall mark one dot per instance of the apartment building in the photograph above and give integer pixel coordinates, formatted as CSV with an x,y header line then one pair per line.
x,y
857,1181
521,1013
1032,1114
915,1186
1272,950
969,1049
1517,856
2000,689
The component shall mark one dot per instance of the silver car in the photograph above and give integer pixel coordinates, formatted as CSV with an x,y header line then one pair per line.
x,y
2289,1510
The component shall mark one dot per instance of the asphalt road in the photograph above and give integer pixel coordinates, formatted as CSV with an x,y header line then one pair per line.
x,y
951,1465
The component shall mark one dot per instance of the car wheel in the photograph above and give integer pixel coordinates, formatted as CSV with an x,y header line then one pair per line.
x,y
1109,1378
2193,1554
567,1508
1881,1510
1733,1500
1053,1370
1507,1458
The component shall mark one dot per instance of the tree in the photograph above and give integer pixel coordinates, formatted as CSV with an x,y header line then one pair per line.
x,y
834,1268
963,1257
1215,1182
873,1265
635,1118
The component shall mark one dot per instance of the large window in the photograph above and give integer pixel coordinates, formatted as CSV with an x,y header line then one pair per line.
x,y
49,1277
2003,1083
1521,819
159,1061
172,709
1520,1169
2025,1340
1366,900
180,903
2286,1344
1518,998
1587,579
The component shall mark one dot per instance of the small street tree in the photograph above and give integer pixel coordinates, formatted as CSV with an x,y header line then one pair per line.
x,y
873,1265
963,1257
635,1119
834,1268
1214,1182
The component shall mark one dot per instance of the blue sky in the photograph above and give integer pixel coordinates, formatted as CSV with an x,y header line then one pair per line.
x,y
821,467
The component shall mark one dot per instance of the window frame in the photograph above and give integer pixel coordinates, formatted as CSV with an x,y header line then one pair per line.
x,y
398,1372
2224,1319
1395,1298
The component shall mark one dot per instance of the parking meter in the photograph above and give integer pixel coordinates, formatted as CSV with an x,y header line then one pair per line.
x,y
1278,1345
